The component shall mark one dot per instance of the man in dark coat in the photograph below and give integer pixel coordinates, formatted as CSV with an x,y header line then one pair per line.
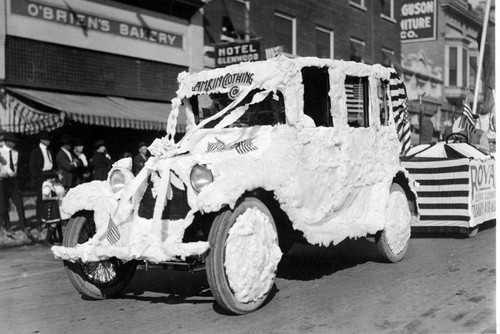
x,y
10,183
66,163
141,158
41,166
101,161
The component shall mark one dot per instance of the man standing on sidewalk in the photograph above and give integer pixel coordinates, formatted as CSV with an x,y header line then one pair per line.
x,y
10,184
41,166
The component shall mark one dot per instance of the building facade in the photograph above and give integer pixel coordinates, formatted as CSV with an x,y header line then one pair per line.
x,y
360,30
440,64
90,52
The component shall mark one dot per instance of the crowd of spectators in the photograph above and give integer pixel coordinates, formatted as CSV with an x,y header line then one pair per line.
x,y
52,174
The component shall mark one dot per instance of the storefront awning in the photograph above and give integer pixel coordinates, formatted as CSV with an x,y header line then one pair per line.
x,y
107,111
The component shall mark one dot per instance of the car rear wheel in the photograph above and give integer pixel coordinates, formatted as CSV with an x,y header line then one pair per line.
x,y
244,256
96,280
392,242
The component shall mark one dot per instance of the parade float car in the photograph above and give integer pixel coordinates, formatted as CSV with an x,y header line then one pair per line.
x,y
273,149
455,186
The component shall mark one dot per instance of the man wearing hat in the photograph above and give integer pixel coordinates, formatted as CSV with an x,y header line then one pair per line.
x,y
141,158
41,166
101,161
66,163
9,188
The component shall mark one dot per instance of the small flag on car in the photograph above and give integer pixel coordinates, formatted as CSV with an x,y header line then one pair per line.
x,y
468,122
113,234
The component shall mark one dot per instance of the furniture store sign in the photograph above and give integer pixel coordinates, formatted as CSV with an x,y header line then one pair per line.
x,y
418,20
234,53
68,16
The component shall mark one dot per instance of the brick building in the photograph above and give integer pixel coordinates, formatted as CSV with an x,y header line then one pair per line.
x,y
94,69
439,68
359,30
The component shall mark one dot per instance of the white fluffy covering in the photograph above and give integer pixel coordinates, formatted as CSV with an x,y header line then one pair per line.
x,y
332,182
251,269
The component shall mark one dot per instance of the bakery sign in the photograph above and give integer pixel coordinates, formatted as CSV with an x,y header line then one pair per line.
x,y
68,16
234,53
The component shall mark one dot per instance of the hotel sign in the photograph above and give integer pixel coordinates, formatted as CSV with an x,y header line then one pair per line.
x,y
418,20
234,53
68,16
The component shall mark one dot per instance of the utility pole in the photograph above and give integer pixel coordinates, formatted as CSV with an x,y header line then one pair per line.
x,y
481,55
247,20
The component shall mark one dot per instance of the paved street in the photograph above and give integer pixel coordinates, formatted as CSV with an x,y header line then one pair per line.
x,y
444,285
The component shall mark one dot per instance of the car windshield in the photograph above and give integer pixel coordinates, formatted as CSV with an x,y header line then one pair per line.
x,y
270,110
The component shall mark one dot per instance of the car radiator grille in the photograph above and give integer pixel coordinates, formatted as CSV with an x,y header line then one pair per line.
x,y
176,208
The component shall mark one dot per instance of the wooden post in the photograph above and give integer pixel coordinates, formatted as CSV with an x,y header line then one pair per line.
x,y
481,55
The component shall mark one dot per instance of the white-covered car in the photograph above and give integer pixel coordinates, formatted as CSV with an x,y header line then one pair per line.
x,y
273,149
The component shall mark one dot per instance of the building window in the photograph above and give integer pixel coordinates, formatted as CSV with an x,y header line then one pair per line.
x,y
388,57
472,71
387,10
286,32
453,67
324,43
465,68
233,21
358,4
357,49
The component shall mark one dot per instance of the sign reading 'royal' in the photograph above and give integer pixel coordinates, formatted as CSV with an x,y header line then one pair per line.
x,y
418,20
92,22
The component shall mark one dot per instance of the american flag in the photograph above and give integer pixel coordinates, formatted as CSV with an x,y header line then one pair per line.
x,y
467,123
400,111
244,146
218,145
113,234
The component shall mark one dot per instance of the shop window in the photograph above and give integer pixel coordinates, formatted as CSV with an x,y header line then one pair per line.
x,y
387,10
453,67
316,99
285,30
356,89
324,43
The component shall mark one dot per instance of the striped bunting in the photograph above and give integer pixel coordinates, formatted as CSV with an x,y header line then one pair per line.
x,y
244,146
113,234
443,192
17,117
467,123
400,111
217,146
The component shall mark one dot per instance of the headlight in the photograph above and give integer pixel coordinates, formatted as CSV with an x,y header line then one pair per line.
x,y
201,177
117,180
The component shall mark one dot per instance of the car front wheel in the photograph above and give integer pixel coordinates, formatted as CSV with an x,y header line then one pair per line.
x,y
244,256
96,280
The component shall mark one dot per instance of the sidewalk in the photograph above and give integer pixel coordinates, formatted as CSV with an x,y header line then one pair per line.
x,y
18,237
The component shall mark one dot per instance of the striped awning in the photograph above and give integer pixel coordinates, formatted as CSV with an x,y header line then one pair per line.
x,y
107,111
17,117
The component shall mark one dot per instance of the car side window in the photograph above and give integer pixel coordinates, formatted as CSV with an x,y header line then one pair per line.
x,y
383,102
356,89
316,99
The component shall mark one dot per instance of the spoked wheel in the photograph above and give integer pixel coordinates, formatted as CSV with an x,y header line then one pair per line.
x,y
244,256
393,241
96,280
